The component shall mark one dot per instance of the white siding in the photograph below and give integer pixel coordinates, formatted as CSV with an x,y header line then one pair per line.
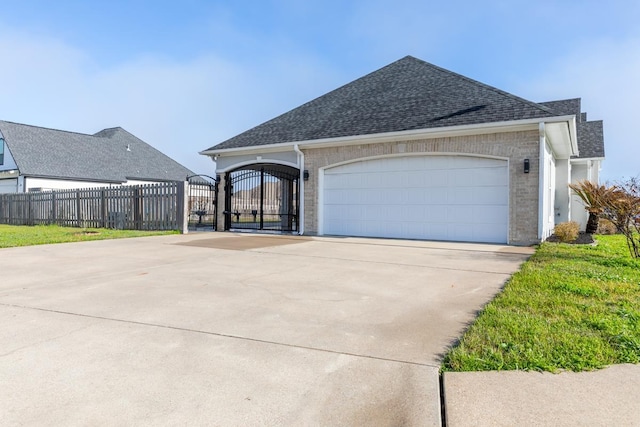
x,y
579,172
47,184
8,163
563,193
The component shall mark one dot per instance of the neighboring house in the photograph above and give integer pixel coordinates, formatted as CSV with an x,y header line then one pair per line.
x,y
418,152
34,158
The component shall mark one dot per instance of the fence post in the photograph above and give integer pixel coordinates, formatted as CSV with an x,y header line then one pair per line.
x,y
78,209
182,205
29,215
54,209
137,208
103,208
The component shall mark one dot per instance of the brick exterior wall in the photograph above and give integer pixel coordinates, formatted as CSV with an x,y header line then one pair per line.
x,y
515,146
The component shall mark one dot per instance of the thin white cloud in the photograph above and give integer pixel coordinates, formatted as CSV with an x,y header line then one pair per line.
x,y
180,108
605,75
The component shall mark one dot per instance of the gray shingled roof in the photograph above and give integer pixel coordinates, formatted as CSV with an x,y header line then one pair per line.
x,y
411,94
104,156
590,134
564,107
590,139
405,95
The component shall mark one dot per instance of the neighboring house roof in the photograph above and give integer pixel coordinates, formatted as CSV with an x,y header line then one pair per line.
x,y
111,155
405,95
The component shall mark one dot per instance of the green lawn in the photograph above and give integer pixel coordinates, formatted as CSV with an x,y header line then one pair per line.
x,y
15,235
570,307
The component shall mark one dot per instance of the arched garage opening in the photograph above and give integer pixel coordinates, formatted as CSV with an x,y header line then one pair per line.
x,y
430,197
262,197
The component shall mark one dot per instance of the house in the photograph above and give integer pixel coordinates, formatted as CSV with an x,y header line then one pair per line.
x,y
33,158
415,151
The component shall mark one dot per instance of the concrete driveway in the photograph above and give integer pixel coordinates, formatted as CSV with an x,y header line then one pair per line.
x,y
233,329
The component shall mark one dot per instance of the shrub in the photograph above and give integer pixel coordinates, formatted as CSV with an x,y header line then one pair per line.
x,y
594,197
567,231
606,227
622,207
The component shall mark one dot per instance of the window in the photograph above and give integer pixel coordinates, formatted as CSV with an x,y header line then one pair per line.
x,y
1,151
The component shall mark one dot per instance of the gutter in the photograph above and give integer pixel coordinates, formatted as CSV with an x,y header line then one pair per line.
x,y
70,178
301,189
407,135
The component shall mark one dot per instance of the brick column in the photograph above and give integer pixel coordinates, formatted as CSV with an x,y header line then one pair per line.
x,y
220,203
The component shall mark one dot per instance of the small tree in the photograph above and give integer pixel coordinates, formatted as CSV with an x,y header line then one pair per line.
x,y
594,197
622,207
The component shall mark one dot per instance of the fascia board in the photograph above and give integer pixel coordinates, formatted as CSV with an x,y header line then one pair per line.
x,y
562,136
587,159
69,178
408,135
270,148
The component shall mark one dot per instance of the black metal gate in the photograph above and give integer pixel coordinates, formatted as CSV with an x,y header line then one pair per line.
x,y
203,193
262,197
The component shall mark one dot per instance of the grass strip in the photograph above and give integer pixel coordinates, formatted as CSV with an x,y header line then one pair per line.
x,y
570,307
18,235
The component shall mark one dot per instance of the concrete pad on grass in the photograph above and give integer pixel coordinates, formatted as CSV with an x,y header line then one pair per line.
x,y
607,397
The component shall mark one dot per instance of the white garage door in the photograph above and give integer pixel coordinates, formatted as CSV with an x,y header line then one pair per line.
x,y
8,185
457,198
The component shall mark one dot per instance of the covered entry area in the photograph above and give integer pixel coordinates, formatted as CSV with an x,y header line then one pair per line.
x,y
432,197
262,196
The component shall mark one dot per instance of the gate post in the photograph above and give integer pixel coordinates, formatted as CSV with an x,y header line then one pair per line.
x,y
182,208
221,202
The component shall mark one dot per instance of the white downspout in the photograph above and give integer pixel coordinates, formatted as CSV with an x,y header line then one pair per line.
x,y
301,186
541,181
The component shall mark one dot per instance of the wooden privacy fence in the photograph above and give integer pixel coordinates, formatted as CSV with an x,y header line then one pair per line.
x,y
138,207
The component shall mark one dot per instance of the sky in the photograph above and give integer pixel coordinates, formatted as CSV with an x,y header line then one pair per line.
x,y
184,76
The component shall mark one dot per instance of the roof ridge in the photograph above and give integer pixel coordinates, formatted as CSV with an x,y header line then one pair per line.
x,y
147,145
111,128
408,93
433,66
553,105
45,128
339,88
109,132
562,100
479,83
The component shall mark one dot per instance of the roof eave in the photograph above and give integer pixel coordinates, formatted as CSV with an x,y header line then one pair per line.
x,y
586,159
71,178
562,135
406,135
147,179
